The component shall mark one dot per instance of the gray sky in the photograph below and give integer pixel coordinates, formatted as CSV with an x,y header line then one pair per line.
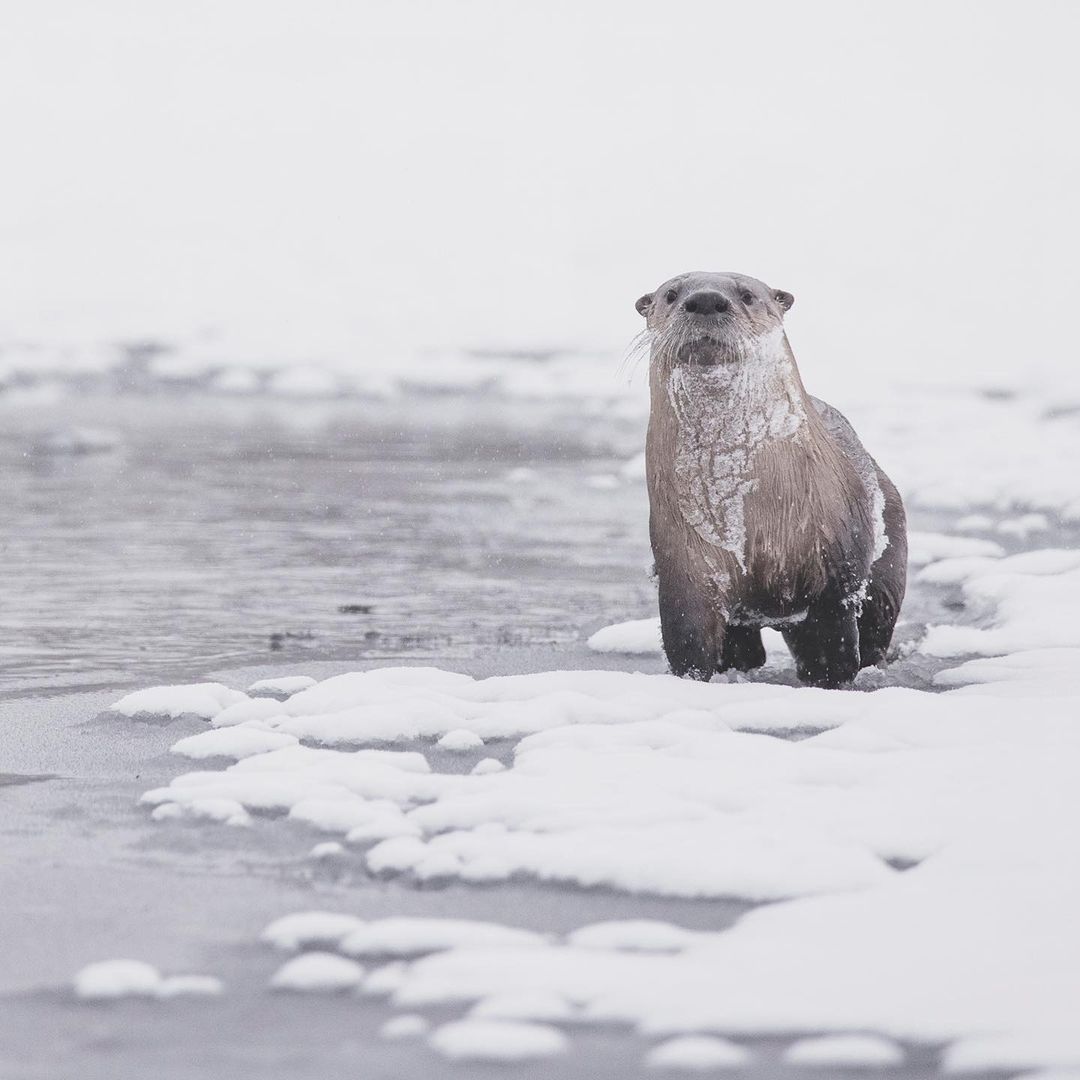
x,y
325,177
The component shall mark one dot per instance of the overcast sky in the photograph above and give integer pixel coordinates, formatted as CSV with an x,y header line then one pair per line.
x,y
325,176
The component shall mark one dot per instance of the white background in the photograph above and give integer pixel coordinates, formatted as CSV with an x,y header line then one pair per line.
x,y
340,178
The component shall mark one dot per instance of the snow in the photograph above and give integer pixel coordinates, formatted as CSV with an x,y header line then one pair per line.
x,y
318,973
109,980
204,700
405,1026
283,685
190,986
260,708
1029,601
1024,526
638,637
486,766
844,1051
536,1005
329,849
460,740
926,548
116,979
638,935
232,742
403,936
305,928
697,1053
491,1040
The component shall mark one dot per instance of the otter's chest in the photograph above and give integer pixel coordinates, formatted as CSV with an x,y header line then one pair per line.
x,y
727,430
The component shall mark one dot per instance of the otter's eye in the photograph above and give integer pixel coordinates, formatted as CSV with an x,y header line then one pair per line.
x,y
670,295
746,296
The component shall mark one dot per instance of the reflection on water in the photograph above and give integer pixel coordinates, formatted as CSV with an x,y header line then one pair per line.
x,y
219,531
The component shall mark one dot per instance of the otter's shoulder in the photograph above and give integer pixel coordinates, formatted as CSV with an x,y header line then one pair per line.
x,y
838,426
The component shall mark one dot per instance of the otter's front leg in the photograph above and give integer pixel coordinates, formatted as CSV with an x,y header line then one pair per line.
x,y
743,649
825,644
691,630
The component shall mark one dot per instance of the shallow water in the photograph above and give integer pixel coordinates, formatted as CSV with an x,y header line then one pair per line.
x,y
226,532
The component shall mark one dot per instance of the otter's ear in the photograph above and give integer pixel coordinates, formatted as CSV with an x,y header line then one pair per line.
x,y
784,299
644,304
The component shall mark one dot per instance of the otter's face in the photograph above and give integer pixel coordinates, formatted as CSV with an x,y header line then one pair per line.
x,y
707,319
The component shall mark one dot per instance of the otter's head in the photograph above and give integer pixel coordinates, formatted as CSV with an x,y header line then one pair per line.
x,y
708,319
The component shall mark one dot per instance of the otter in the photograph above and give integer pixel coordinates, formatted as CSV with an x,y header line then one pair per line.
x,y
765,509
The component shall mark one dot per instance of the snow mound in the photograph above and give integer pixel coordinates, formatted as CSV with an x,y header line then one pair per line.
x,y
637,935
306,928
116,979
405,936
284,685
110,980
232,742
405,1026
318,973
491,1040
460,740
638,637
844,1051
697,1053
204,700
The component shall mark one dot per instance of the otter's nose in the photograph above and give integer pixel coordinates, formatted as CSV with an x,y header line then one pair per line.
x,y
706,303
